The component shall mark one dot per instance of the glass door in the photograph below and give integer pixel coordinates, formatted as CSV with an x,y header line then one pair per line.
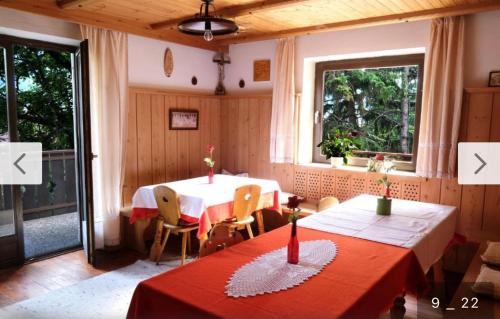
x,y
45,114
41,100
8,238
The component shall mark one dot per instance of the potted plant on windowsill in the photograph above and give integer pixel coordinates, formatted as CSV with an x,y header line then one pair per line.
x,y
338,146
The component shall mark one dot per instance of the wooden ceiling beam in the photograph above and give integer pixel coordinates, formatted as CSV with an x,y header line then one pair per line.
x,y
235,11
71,4
368,22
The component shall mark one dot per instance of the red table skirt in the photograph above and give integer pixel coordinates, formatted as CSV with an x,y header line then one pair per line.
x,y
210,216
361,282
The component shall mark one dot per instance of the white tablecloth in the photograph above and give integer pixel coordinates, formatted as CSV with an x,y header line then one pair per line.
x,y
196,194
423,227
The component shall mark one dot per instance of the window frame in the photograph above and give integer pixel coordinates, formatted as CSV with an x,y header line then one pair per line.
x,y
375,62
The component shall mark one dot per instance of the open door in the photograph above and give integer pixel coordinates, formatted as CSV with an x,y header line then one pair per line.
x,y
83,142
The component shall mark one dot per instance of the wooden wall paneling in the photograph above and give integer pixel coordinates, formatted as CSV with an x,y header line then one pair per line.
x,y
224,133
205,137
195,148
343,185
158,138
215,130
327,182
171,160
265,169
253,137
495,119
479,117
182,143
358,183
471,208
451,192
233,110
430,190
287,180
243,128
144,167
491,216
130,182
478,130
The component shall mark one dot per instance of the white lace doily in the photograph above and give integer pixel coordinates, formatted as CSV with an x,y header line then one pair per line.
x,y
271,272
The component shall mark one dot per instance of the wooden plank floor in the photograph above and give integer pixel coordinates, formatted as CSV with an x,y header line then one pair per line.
x,y
34,279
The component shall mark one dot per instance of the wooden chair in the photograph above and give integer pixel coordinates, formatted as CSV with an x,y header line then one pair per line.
x,y
308,207
168,205
246,199
220,238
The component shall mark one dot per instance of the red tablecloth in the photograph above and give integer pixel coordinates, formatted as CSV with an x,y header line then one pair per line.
x,y
361,282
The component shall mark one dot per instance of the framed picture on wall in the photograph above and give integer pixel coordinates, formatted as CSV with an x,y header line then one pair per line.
x,y
494,78
183,119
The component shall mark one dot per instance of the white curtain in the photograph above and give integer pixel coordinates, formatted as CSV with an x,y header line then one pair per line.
x,y
108,68
282,118
441,99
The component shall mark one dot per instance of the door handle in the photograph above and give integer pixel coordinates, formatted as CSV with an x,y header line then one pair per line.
x,y
92,156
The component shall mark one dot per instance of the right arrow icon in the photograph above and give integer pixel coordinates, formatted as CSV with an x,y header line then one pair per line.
x,y
483,163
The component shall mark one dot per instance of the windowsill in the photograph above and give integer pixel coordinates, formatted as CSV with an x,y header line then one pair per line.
x,y
358,169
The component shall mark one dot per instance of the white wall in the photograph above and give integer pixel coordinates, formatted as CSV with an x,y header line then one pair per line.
x,y
241,67
482,48
146,65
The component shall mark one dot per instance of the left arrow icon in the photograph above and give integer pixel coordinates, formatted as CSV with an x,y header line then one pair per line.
x,y
16,163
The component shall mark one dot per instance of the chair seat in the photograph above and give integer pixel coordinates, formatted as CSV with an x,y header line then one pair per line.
x,y
181,228
245,221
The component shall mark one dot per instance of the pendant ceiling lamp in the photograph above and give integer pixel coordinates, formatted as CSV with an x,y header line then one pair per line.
x,y
207,24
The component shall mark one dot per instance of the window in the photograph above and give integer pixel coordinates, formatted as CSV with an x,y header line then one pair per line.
x,y
379,98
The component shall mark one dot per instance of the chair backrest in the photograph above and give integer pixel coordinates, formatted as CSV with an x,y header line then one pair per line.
x,y
327,202
168,204
246,199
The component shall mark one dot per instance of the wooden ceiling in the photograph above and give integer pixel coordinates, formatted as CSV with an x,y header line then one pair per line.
x,y
258,20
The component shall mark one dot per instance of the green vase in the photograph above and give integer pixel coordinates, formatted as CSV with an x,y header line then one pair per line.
x,y
384,206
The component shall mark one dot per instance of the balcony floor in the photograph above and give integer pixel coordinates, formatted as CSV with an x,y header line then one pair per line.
x,y
50,234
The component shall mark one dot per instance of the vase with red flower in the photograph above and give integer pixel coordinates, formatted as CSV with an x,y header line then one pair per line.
x,y
293,243
209,160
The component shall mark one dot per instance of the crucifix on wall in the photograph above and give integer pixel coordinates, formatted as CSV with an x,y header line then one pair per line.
x,y
221,59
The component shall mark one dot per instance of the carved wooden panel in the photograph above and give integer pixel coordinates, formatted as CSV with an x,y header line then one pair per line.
x,y
411,191
328,183
372,186
342,186
395,188
300,182
314,185
358,184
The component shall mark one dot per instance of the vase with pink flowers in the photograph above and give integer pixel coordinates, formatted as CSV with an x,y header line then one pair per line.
x,y
209,160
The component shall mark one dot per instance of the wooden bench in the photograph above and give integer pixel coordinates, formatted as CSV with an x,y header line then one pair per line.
x,y
133,235
471,274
